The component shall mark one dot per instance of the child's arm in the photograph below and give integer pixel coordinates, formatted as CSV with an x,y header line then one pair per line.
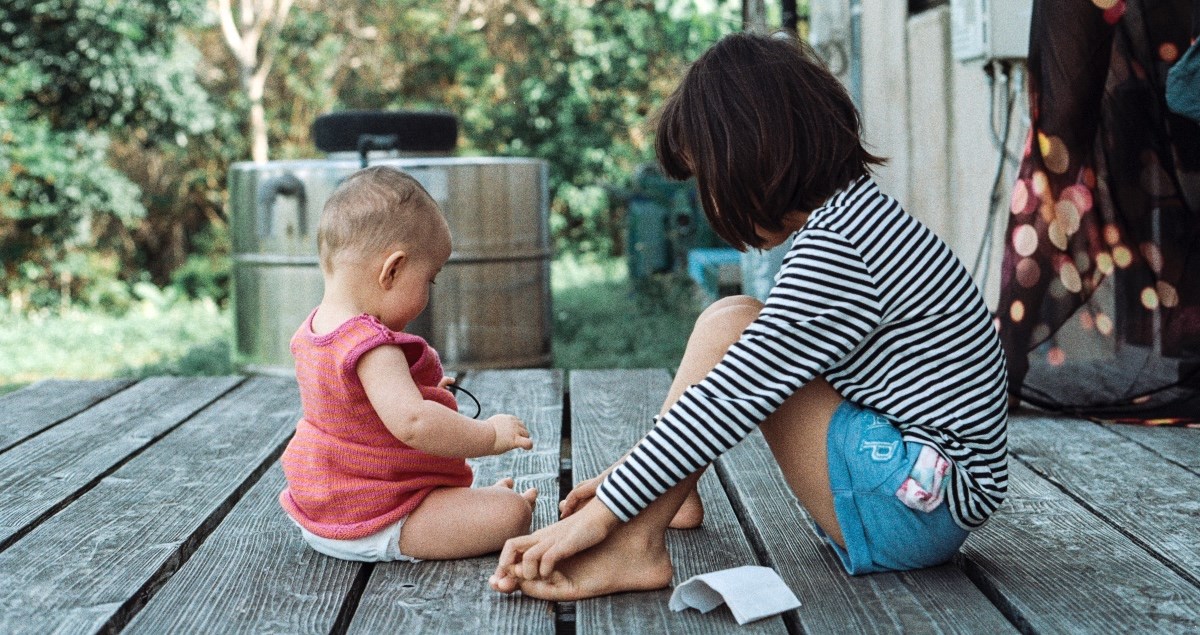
x,y
427,425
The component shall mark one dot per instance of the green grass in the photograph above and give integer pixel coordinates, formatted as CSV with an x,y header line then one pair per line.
x,y
179,338
601,320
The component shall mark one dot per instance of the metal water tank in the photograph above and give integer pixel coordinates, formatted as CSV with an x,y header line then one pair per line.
x,y
491,305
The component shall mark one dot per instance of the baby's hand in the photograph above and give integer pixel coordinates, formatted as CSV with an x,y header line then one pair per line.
x,y
510,433
445,381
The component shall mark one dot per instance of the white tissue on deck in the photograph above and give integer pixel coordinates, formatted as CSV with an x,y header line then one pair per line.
x,y
751,592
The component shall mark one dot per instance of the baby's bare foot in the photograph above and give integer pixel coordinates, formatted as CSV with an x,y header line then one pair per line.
x,y
613,566
530,496
690,514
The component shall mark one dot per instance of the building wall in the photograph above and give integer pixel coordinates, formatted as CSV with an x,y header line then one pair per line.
x,y
929,114
885,96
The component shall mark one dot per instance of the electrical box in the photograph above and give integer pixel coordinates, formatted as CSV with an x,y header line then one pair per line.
x,y
988,30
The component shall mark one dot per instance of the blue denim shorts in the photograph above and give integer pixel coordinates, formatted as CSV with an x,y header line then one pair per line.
x,y
868,461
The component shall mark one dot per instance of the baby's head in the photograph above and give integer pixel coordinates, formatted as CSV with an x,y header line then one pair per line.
x,y
373,212
381,231
767,131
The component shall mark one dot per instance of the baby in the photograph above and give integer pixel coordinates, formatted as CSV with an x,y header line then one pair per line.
x,y
376,470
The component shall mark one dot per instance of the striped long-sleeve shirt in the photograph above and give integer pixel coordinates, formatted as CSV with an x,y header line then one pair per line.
x,y
870,299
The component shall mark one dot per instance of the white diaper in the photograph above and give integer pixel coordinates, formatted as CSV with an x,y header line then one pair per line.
x,y
383,546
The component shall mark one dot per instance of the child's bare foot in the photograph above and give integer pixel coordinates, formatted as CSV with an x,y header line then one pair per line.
x,y
530,495
618,564
690,514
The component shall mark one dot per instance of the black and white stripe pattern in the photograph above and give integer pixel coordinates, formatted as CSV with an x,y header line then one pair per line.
x,y
873,301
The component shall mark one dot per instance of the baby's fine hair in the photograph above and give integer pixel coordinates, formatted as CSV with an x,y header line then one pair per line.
x,y
766,129
372,210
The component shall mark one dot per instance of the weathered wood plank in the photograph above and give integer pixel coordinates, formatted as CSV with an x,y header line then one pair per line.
x,y
610,412
48,470
453,596
34,408
252,575
1179,445
93,565
937,600
1149,499
1054,567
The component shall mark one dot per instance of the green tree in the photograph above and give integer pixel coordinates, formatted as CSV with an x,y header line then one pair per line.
x,y
251,31
77,76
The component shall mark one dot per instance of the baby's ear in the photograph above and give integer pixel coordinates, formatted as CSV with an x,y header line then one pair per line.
x,y
390,271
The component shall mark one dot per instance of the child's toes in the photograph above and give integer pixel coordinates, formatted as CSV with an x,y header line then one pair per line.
x,y
530,496
505,482
504,584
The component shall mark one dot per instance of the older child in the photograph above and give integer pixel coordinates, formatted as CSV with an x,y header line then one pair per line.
x,y
376,470
873,369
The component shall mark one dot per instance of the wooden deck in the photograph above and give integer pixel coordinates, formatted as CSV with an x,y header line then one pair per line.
x,y
150,507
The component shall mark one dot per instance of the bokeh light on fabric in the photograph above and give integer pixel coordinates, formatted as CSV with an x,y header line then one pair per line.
x,y
1100,287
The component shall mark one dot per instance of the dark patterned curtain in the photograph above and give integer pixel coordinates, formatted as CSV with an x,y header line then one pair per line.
x,y
1100,298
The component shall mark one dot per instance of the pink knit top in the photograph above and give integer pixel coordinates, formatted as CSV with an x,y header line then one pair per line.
x,y
348,477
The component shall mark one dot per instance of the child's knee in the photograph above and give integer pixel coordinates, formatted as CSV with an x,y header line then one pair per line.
x,y
732,301
515,516
731,314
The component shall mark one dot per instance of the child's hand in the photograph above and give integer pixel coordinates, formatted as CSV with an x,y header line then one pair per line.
x,y
583,492
510,433
580,495
445,381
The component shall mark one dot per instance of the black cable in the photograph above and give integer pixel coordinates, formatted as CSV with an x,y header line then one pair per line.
x,y
454,388
984,245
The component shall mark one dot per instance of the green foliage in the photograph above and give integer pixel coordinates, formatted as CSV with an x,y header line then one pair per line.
x,y
214,357
100,64
77,74
206,272
54,187
160,334
601,321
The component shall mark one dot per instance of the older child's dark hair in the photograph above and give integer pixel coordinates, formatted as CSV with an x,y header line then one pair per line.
x,y
766,130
